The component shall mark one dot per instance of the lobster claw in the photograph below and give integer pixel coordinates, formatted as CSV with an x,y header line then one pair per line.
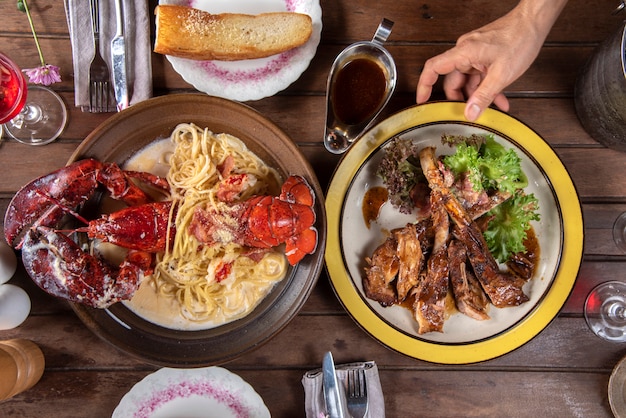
x,y
59,267
46,199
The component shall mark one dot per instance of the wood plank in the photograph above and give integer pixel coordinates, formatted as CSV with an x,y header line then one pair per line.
x,y
357,20
553,73
566,343
488,393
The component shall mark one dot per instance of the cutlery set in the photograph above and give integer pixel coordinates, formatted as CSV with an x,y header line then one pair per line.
x,y
341,402
99,73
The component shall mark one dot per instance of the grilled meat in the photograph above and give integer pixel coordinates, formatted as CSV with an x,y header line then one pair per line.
x,y
502,289
411,259
429,307
468,295
382,269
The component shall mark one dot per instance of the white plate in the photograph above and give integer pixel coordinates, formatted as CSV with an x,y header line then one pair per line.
x,y
250,79
210,392
464,340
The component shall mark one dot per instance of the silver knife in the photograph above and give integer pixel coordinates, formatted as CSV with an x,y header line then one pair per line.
x,y
118,60
332,394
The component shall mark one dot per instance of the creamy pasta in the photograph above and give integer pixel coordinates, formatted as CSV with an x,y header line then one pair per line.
x,y
215,283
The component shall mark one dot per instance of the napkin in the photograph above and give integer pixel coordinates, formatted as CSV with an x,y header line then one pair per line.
x,y
136,34
314,403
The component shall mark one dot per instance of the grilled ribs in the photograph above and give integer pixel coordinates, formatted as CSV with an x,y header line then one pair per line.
x,y
503,289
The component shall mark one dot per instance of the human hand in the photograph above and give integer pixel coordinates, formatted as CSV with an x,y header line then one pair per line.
x,y
485,61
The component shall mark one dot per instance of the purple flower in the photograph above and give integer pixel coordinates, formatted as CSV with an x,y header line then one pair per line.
x,y
46,74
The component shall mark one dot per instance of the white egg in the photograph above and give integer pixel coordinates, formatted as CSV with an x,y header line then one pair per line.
x,y
14,306
8,262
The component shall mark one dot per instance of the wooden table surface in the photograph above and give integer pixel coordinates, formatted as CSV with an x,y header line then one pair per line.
x,y
564,371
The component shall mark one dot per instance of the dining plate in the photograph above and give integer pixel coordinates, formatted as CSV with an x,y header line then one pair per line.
x,y
208,392
254,79
463,340
118,139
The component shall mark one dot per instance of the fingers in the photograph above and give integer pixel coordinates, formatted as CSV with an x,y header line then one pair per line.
x,y
488,91
443,64
454,85
425,84
481,83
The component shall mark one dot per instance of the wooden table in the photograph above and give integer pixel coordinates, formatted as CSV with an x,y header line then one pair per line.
x,y
564,371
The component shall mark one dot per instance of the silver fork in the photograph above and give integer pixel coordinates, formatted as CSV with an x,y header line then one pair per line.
x,y
357,393
99,76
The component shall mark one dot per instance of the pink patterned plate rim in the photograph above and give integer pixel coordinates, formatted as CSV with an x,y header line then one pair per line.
x,y
250,79
204,392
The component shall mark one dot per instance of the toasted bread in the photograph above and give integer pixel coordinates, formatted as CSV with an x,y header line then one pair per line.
x,y
195,34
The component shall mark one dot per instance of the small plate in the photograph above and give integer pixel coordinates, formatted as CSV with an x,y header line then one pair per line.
x,y
210,392
464,340
250,79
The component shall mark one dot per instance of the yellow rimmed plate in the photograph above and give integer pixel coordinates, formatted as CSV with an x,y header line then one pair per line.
x,y
464,340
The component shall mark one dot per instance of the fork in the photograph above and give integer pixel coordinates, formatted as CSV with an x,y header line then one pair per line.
x,y
357,393
99,76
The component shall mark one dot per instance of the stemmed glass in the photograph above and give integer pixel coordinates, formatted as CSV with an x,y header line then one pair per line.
x,y
31,114
605,307
605,311
619,232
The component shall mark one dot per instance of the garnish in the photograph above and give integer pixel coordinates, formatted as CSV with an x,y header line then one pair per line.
x,y
506,232
490,167
400,170
45,74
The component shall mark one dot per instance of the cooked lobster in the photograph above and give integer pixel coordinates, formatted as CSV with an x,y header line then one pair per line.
x,y
60,267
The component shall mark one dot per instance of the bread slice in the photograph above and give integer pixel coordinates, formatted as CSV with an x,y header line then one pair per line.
x,y
186,32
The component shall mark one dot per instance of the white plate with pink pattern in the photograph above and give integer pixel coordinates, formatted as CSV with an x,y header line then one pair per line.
x,y
208,392
250,79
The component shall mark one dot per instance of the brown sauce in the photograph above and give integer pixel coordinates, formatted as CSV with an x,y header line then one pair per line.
x,y
532,246
372,202
359,90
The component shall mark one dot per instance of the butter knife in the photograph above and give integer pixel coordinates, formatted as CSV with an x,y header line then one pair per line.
x,y
118,59
332,394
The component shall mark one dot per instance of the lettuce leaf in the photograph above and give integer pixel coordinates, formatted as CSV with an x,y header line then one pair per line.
x,y
488,165
400,170
506,232
491,167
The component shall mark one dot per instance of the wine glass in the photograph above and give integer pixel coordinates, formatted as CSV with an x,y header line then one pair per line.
x,y
605,311
31,114
619,232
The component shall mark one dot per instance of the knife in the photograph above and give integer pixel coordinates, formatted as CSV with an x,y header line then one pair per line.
x,y
118,60
332,394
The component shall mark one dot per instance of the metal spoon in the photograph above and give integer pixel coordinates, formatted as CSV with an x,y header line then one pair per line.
x,y
340,134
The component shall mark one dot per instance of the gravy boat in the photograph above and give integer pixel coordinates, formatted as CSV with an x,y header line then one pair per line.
x,y
360,84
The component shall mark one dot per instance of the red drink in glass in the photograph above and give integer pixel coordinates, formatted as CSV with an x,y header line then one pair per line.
x,y
12,89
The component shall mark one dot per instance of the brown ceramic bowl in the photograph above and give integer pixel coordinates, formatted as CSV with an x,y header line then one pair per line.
x,y
129,131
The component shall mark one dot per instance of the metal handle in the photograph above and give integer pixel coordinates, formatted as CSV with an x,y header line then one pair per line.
x,y
95,17
619,8
119,15
383,31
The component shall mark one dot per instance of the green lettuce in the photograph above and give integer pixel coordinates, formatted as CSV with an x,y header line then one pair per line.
x,y
506,231
491,167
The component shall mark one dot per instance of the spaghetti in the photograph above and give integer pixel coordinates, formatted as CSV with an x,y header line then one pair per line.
x,y
215,283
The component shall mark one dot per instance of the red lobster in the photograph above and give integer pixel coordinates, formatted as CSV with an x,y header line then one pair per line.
x,y
264,221
61,268
53,260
